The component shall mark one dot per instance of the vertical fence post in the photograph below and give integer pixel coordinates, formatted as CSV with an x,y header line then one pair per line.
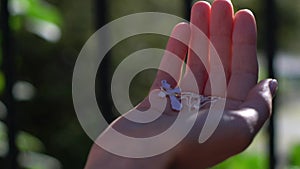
x,y
271,46
100,15
8,69
106,105
188,7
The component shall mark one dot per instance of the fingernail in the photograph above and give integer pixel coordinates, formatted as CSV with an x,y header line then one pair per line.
x,y
273,84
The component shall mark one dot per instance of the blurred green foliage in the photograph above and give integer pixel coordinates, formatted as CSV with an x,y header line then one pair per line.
x,y
30,147
294,156
244,161
27,142
37,16
22,14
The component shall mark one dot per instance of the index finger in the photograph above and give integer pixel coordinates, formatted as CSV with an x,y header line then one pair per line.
x,y
171,64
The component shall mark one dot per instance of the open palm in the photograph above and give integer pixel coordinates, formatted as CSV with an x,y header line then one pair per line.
x,y
248,105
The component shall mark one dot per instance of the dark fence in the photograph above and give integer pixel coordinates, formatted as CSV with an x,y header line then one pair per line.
x,y
271,47
9,74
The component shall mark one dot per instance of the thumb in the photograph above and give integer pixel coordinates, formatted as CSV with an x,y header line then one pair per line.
x,y
260,98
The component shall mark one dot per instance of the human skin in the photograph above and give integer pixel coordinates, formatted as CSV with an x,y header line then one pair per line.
x,y
248,103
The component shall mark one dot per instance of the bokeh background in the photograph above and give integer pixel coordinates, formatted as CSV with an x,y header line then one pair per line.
x,y
47,36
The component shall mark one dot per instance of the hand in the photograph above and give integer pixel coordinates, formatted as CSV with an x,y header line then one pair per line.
x,y
248,104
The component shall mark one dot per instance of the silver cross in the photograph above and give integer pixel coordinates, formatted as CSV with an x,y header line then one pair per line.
x,y
173,94
193,100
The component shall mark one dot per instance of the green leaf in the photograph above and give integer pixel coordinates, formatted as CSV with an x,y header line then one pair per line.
x,y
39,17
38,9
32,160
28,142
44,29
41,10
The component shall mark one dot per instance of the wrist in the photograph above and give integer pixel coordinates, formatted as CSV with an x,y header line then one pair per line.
x,y
109,159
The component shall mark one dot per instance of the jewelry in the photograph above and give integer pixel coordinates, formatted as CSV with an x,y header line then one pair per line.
x,y
173,94
194,101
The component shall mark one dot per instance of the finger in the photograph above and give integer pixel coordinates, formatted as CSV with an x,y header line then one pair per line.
x,y
175,54
260,100
221,21
244,70
198,51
